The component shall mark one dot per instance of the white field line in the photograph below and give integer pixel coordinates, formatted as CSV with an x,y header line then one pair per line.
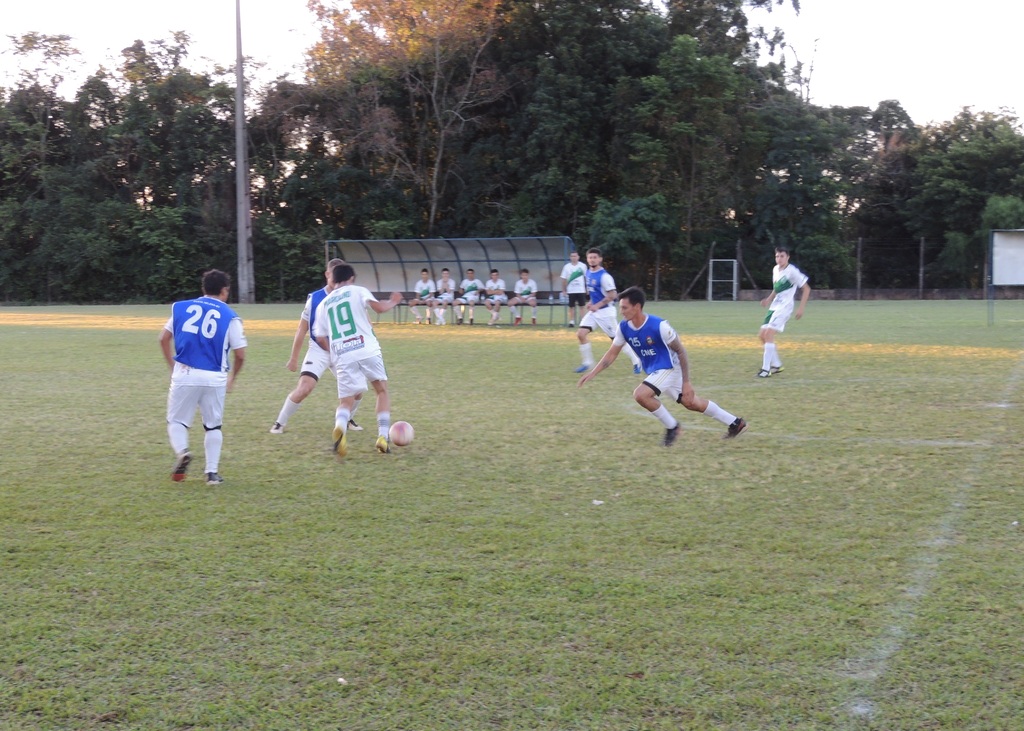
x,y
868,668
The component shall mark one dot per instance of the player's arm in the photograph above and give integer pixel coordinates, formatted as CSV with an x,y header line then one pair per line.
x,y
606,360
236,366
301,333
610,296
684,365
377,306
166,345
805,293
767,301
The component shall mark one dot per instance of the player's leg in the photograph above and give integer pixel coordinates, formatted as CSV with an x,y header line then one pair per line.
x,y
647,393
374,372
351,384
693,402
181,408
587,324
774,323
211,407
533,309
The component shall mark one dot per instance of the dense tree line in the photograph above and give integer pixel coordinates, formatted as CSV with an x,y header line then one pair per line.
x,y
652,131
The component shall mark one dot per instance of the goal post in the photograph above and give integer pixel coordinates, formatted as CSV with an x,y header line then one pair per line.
x,y
723,279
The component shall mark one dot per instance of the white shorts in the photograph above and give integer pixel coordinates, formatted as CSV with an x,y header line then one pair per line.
x,y
469,298
445,298
315,362
497,299
354,377
603,318
777,319
184,398
669,382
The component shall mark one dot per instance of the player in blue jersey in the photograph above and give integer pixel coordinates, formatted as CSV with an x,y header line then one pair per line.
x,y
196,341
316,361
600,310
786,280
666,364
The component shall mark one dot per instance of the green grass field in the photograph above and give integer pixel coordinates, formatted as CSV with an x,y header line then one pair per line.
x,y
535,560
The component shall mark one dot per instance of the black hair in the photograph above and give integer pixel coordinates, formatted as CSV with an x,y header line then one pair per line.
x,y
214,281
635,295
342,273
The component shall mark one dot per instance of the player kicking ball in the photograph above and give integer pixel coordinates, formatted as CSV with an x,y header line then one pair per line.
x,y
665,362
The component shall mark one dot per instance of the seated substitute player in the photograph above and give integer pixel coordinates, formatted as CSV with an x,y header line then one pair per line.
x,y
444,297
666,364
469,291
525,290
496,297
600,311
786,280
343,328
195,342
316,360
423,291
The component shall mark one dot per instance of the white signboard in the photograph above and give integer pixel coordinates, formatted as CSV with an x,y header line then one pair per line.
x,y
1008,257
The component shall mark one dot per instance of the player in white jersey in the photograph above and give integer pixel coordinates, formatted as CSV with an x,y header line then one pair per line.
x,y
195,342
423,292
786,280
574,286
316,361
667,366
469,291
444,297
496,297
343,328
525,290
600,310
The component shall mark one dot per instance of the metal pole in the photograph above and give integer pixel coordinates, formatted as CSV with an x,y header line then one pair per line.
x,y
920,271
860,246
243,212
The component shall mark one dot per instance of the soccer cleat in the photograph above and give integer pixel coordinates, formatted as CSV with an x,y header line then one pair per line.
x,y
340,442
459,321
736,428
382,445
571,324
277,428
518,320
583,368
533,320
419,320
471,321
212,478
671,435
776,369
352,426
764,374
637,370
181,466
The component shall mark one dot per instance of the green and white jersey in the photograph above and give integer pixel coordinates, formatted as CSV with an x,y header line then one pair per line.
x,y
573,274
525,289
471,285
342,318
424,289
785,283
446,286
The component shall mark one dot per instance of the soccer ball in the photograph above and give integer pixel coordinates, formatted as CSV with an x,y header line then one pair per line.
x,y
401,433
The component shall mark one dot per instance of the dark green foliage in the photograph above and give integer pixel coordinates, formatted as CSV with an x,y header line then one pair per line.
x,y
656,135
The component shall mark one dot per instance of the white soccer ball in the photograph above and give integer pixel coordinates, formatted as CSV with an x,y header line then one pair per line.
x,y
401,433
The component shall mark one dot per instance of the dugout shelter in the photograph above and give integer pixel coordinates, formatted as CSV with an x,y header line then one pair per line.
x,y
389,265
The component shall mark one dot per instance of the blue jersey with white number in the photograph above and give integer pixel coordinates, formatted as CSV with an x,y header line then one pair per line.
x,y
200,333
597,286
315,298
650,343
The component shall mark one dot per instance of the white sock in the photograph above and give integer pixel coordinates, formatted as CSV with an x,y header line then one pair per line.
x,y
341,418
717,413
355,408
212,442
178,435
513,308
415,312
770,354
534,312
383,423
665,417
289,408
588,354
